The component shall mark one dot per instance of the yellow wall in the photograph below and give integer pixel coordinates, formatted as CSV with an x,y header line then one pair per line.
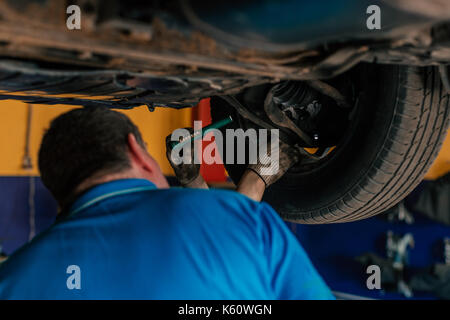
x,y
442,163
154,126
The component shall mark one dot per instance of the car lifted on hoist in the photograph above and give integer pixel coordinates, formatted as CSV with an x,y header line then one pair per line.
x,y
369,105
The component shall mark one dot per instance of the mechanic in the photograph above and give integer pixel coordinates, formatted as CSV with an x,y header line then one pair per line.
x,y
122,233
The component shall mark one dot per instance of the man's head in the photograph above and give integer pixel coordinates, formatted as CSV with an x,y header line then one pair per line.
x,y
88,146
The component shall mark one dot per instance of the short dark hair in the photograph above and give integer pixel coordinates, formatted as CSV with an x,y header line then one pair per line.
x,y
80,143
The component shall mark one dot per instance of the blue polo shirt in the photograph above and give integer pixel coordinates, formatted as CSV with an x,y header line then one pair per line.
x,y
127,239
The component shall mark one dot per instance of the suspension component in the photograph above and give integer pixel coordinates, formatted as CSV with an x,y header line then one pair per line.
x,y
316,118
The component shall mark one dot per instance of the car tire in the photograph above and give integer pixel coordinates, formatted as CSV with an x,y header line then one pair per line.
x,y
398,128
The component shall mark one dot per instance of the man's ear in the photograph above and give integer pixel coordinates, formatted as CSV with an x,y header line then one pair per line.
x,y
138,154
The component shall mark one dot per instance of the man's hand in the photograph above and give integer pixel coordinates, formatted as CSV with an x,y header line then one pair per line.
x,y
188,174
287,157
257,178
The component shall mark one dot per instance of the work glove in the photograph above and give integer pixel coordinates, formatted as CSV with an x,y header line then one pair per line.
x,y
185,172
287,157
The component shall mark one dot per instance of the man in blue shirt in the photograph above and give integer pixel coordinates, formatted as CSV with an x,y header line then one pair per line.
x,y
122,233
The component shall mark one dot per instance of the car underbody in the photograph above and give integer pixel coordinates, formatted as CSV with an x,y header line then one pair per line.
x,y
368,106
174,53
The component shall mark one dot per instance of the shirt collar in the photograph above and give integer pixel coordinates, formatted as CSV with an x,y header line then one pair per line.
x,y
109,188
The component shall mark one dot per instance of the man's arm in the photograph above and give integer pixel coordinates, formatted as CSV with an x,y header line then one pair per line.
x,y
188,174
258,177
255,179
251,185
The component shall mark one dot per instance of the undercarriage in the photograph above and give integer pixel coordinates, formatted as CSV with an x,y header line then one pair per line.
x,y
174,53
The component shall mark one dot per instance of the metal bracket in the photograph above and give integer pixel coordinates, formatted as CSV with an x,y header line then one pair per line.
x,y
281,119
